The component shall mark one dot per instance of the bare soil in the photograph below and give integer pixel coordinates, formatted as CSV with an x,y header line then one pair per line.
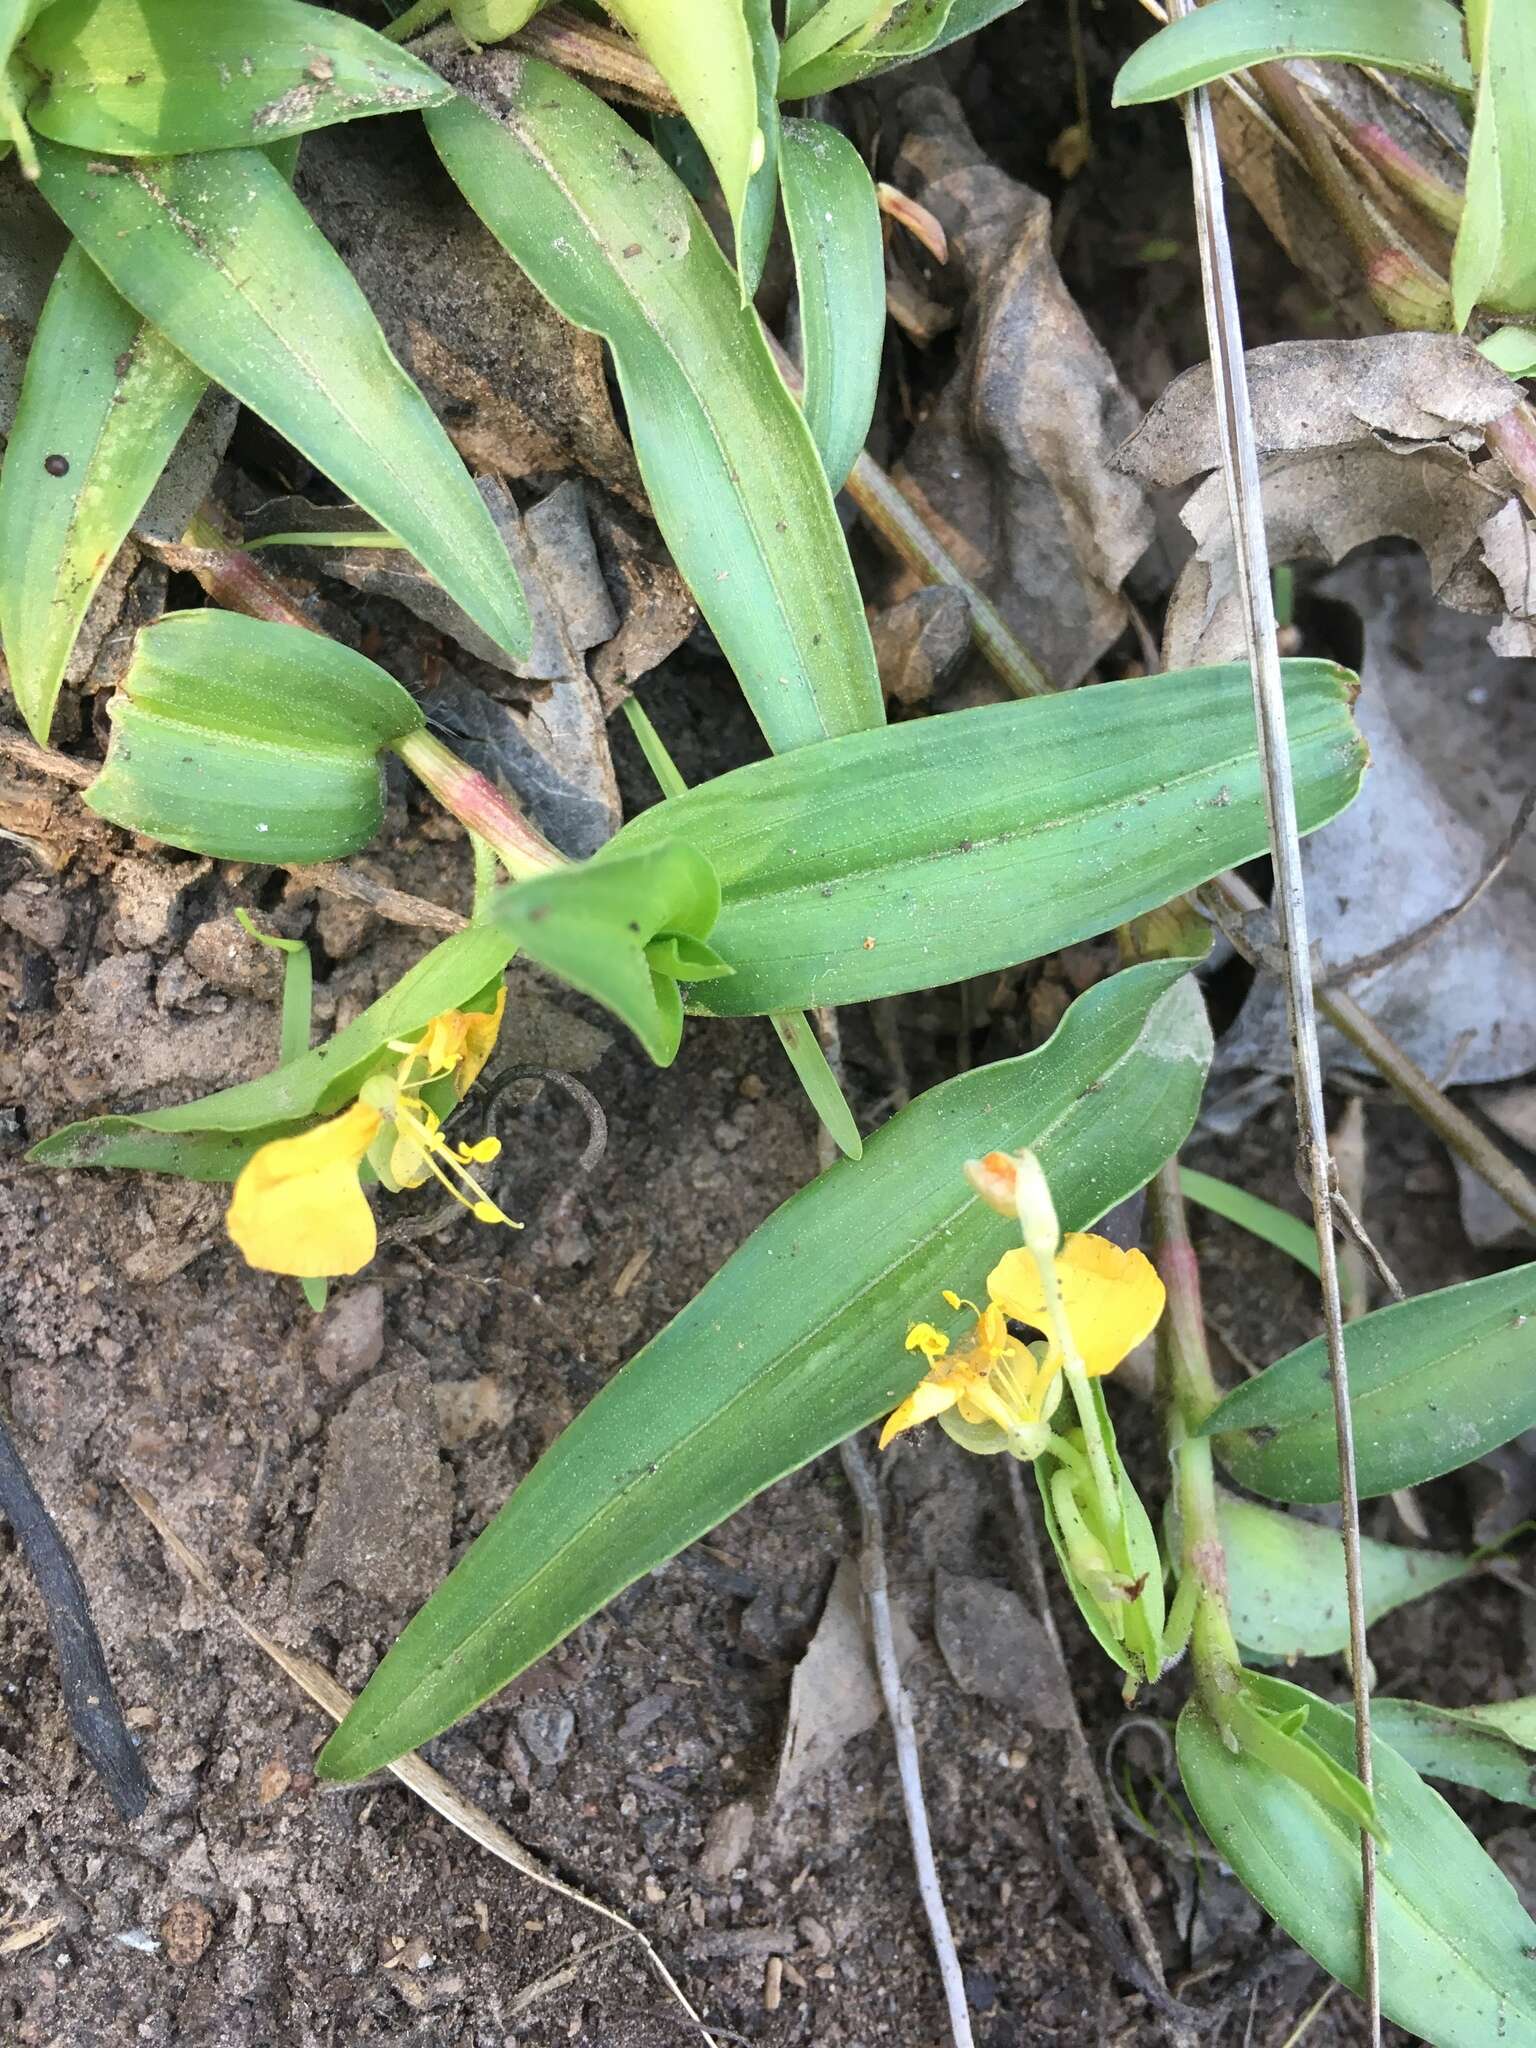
x,y
329,1468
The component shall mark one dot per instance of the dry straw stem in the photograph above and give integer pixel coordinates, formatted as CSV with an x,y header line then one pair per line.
x,y
898,1707
427,1784
1240,469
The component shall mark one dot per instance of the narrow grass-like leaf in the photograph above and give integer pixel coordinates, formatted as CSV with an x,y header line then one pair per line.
x,y
871,37
796,1342
1435,1382
834,226
1287,1233
1285,1579
159,77
250,741
754,228
707,53
803,1050
1419,37
1458,1950
1494,261
211,1139
103,403
1489,1748
609,234
944,847
217,253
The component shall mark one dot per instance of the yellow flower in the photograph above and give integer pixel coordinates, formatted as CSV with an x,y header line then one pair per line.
x,y
996,1390
298,1205
1112,1299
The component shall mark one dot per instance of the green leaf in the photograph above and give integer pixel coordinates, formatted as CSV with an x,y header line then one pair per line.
x,y
882,36
1513,350
622,931
1285,1579
1434,1383
708,54
1259,1218
796,1342
103,404
1488,1748
212,1139
16,16
298,987
834,226
945,847
754,229
608,234
1458,1951
492,21
250,741
216,252
1419,37
1139,1652
803,1050
160,77
1494,261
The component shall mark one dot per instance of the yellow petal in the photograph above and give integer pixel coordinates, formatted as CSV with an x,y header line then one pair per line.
x,y
1113,1298
921,1405
298,1206
480,1034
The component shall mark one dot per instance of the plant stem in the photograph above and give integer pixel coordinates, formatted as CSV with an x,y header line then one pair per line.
x,y
1189,1392
414,20
898,1709
479,806
1240,469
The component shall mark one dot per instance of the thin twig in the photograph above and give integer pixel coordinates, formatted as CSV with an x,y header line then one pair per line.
x,y
1231,903
898,1707
1089,1785
84,1680
1240,468
1389,955
1356,1229
428,1785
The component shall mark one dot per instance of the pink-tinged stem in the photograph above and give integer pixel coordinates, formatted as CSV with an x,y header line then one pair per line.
x,y
480,807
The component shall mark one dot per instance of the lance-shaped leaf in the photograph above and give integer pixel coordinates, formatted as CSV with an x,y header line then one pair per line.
x,y
1489,1748
796,1342
213,1138
834,226
250,741
1285,1579
844,40
1420,37
1458,1950
216,252
159,77
895,860
608,233
1494,260
710,56
1434,1383
103,403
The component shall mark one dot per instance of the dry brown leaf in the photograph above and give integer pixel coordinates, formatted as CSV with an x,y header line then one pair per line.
x,y
1013,461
